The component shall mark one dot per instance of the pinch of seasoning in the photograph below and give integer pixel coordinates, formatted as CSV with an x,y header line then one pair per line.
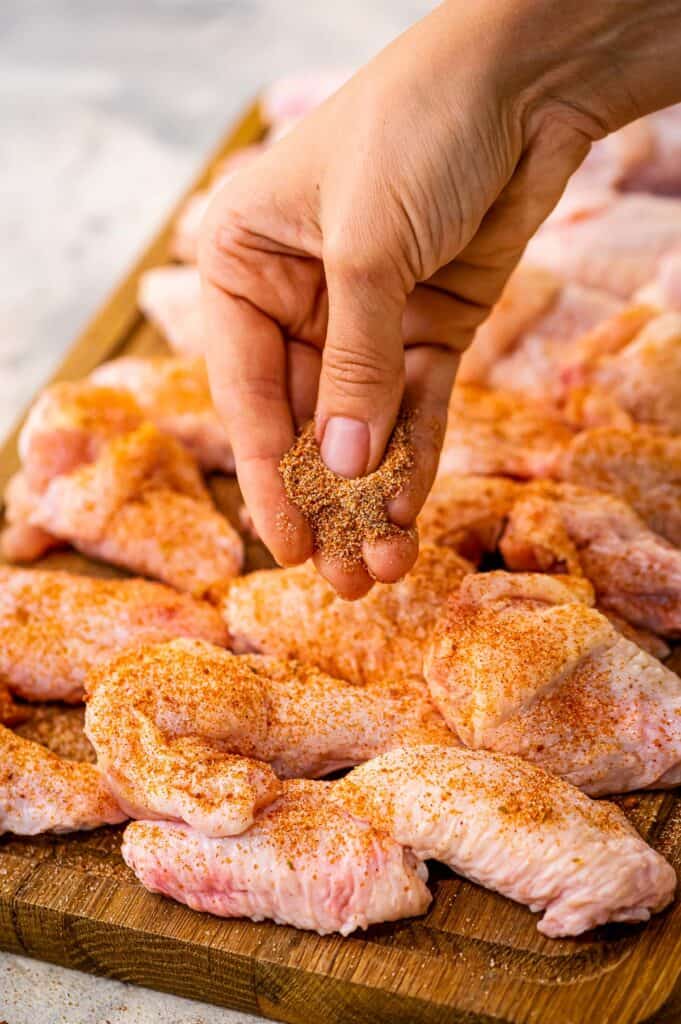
x,y
344,513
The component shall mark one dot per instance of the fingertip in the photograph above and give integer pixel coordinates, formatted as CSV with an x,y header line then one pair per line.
x,y
290,540
390,559
351,583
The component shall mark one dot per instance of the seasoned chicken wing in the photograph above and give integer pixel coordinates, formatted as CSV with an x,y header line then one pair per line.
x,y
55,626
166,723
558,527
520,663
174,394
305,862
296,613
491,432
123,493
41,792
511,827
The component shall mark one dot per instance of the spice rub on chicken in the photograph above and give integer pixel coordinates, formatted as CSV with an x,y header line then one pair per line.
x,y
56,626
188,731
41,792
522,663
102,478
295,613
511,827
305,861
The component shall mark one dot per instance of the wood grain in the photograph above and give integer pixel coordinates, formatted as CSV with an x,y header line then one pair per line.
x,y
475,958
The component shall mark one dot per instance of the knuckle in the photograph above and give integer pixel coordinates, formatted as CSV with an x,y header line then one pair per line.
x,y
354,373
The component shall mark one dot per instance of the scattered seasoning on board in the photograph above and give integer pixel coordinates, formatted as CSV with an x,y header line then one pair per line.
x,y
344,513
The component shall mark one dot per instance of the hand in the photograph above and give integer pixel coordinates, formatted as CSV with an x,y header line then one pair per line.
x,y
346,270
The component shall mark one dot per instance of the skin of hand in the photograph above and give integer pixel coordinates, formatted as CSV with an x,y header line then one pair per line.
x,y
346,270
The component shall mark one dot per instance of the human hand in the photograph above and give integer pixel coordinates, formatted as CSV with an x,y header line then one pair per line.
x,y
349,267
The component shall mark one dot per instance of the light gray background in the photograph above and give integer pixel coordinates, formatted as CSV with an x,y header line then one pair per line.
x,y
106,110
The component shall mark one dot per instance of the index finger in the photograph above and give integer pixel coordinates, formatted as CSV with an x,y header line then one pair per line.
x,y
246,356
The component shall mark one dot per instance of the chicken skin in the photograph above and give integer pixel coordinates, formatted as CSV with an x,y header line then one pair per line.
x,y
135,499
640,466
170,298
55,626
511,827
490,432
172,723
542,526
613,242
521,664
530,330
305,861
296,613
41,792
174,394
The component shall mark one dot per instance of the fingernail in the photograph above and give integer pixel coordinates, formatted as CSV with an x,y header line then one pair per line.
x,y
345,446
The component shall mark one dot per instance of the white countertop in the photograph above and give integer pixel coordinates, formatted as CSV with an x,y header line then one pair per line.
x,y
107,109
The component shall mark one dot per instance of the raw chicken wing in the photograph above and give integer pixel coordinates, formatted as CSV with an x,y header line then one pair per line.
x,y
511,827
296,613
523,342
558,527
305,862
614,245
174,394
171,722
40,792
170,298
521,664
55,626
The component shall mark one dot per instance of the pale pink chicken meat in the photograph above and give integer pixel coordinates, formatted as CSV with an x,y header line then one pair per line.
x,y
305,862
644,156
296,613
490,432
41,792
123,493
523,342
170,298
293,96
615,245
558,527
173,725
522,664
641,376
174,394
639,466
511,827
499,433
55,626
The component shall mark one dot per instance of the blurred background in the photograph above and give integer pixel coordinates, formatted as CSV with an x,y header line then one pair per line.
x,y
107,111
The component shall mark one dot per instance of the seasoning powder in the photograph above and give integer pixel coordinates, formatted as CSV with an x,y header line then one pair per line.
x,y
343,513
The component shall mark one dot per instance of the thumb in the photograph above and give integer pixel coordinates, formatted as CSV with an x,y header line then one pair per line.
x,y
362,375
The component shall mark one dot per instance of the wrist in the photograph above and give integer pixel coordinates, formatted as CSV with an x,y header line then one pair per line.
x,y
598,66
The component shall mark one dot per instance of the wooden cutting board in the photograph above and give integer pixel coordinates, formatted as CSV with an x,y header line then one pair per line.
x,y
475,958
